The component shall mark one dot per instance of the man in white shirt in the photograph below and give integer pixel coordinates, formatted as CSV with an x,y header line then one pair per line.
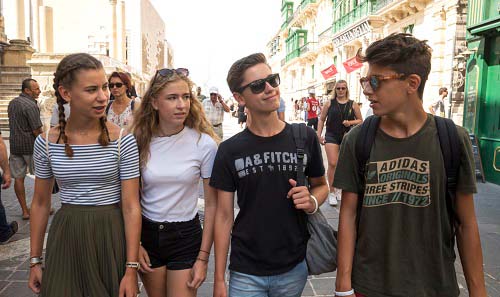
x,y
214,109
438,106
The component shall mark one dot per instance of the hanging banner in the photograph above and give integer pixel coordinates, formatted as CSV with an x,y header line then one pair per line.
x,y
352,64
329,72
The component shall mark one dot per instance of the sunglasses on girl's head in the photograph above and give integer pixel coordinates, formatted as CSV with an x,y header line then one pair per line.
x,y
258,86
374,80
112,85
166,72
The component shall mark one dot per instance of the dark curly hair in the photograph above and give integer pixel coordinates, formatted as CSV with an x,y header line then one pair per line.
x,y
402,53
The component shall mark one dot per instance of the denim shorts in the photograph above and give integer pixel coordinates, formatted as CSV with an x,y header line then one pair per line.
x,y
288,284
172,244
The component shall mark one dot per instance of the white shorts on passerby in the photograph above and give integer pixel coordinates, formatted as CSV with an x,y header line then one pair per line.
x,y
20,165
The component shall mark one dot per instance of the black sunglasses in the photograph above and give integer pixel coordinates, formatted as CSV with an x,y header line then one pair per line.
x,y
112,85
341,88
258,86
374,80
166,72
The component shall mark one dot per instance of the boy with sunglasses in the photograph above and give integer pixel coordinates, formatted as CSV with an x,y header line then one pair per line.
x,y
269,235
399,239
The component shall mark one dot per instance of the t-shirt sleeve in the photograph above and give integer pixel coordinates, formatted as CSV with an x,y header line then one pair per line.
x,y
54,119
315,167
208,152
33,116
346,174
222,177
41,159
466,181
129,158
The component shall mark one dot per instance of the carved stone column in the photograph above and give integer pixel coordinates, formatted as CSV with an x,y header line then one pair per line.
x,y
113,44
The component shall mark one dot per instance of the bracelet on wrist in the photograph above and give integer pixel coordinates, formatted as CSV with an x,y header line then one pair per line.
x,y
346,293
316,206
205,252
134,265
35,261
203,260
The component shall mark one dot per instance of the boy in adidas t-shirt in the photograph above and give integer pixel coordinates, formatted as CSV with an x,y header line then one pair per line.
x,y
403,244
269,236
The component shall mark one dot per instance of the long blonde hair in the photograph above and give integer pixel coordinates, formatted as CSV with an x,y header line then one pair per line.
x,y
146,118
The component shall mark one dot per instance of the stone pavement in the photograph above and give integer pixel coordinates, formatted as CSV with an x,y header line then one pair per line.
x,y
14,256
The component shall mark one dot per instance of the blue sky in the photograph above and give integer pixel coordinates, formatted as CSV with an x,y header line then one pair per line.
x,y
208,36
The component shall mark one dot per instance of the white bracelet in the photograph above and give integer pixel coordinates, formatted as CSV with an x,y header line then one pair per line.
x,y
315,205
347,293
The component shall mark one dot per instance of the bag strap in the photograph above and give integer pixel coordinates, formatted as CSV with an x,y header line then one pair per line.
x,y
119,142
299,132
108,107
47,143
364,143
450,149
132,103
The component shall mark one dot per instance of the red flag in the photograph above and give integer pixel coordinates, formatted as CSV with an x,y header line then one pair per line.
x,y
329,72
352,64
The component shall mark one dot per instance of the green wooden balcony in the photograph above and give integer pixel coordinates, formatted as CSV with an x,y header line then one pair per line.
x,y
304,3
359,12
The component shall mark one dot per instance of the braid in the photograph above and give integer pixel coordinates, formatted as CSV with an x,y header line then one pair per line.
x,y
65,75
104,136
62,125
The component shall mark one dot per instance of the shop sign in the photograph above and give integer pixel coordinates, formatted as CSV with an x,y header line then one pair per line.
x,y
352,34
329,72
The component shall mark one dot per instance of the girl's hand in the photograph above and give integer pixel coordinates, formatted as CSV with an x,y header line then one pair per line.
x,y
35,279
128,285
198,274
144,261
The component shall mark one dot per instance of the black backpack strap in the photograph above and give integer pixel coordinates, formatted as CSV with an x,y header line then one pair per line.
x,y
108,107
132,103
364,143
363,147
300,136
450,149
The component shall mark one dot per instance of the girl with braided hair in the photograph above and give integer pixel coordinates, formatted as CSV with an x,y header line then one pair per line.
x,y
177,147
93,242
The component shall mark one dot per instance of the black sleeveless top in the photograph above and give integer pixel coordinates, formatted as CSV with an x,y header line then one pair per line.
x,y
337,113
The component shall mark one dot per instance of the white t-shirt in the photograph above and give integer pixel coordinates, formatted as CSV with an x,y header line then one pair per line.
x,y
171,176
54,119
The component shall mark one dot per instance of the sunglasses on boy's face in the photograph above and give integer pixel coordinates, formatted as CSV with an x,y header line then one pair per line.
x,y
112,85
374,80
258,86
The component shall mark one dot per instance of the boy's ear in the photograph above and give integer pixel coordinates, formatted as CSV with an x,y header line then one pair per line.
x,y
239,98
414,82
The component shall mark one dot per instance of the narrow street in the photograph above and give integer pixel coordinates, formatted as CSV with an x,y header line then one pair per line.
x,y
14,266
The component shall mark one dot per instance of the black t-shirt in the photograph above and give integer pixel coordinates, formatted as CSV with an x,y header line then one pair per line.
x,y
269,235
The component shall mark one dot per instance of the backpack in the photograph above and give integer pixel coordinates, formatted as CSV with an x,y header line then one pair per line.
x,y
321,253
450,149
132,103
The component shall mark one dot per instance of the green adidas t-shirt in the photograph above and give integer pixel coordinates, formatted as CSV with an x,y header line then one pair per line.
x,y
404,245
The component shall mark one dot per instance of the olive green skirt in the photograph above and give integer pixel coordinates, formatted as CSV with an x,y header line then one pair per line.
x,y
85,253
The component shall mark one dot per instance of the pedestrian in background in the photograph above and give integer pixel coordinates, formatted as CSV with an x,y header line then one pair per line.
x,y
25,125
269,236
340,114
400,240
215,108
177,147
312,110
121,110
281,109
93,242
7,230
437,107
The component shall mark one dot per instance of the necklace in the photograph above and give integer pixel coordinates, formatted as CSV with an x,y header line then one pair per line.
x,y
169,135
342,110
